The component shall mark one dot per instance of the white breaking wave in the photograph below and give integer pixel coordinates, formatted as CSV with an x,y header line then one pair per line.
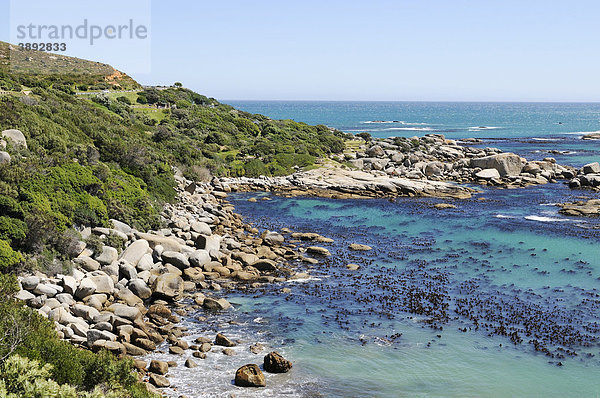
x,y
503,216
411,128
545,219
544,139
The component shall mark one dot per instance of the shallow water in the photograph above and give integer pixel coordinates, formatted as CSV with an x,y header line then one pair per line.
x,y
343,323
498,297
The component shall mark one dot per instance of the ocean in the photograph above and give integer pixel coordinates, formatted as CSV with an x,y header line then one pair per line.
x,y
499,297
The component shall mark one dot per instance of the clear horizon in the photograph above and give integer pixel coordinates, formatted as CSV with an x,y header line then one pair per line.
x,y
432,51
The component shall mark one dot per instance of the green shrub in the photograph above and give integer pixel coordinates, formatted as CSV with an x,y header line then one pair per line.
x,y
22,377
8,257
12,230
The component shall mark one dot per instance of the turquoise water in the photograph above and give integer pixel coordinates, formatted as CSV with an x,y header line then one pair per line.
x,y
499,297
340,326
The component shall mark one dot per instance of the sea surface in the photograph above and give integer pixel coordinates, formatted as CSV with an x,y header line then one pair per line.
x,y
499,297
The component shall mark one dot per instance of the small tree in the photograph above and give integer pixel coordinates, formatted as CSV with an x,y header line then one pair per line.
x,y
178,84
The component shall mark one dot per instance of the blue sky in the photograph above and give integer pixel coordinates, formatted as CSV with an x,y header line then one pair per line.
x,y
481,50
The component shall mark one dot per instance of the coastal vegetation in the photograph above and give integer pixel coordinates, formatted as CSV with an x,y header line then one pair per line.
x,y
114,152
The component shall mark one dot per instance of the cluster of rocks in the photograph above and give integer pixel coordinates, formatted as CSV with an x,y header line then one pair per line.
x,y
427,166
16,138
129,302
585,208
587,176
251,376
433,157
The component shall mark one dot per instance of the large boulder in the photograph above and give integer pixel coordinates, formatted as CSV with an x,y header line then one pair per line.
x,y
103,282
275,363
216,305
201,228
15,136
507,164
375,151
168,285
208,243
175,258
4,157
272,238
87,263
167,243
125,311
140,288
134,252
108,255
159,367
199,258
591,168
159,381
250,376
121,226
86,288
487,174
30,282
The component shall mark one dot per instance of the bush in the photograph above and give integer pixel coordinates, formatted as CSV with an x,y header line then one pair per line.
x,y
22,377
8,257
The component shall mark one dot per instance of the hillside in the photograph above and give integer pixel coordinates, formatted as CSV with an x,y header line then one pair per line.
x,y
112,153
83,143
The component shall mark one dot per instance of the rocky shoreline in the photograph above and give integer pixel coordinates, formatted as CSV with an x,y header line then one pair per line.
x,y
131,301
431,166
129,297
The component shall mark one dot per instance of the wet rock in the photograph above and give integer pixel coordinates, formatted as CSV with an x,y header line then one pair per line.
x,y
159,381
223,341
444,206
205,347
272,238
159,367
250,376
257,348
264,265
175,350
189,363
216,305
353,267
359,247
318,250
228,351
275,363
